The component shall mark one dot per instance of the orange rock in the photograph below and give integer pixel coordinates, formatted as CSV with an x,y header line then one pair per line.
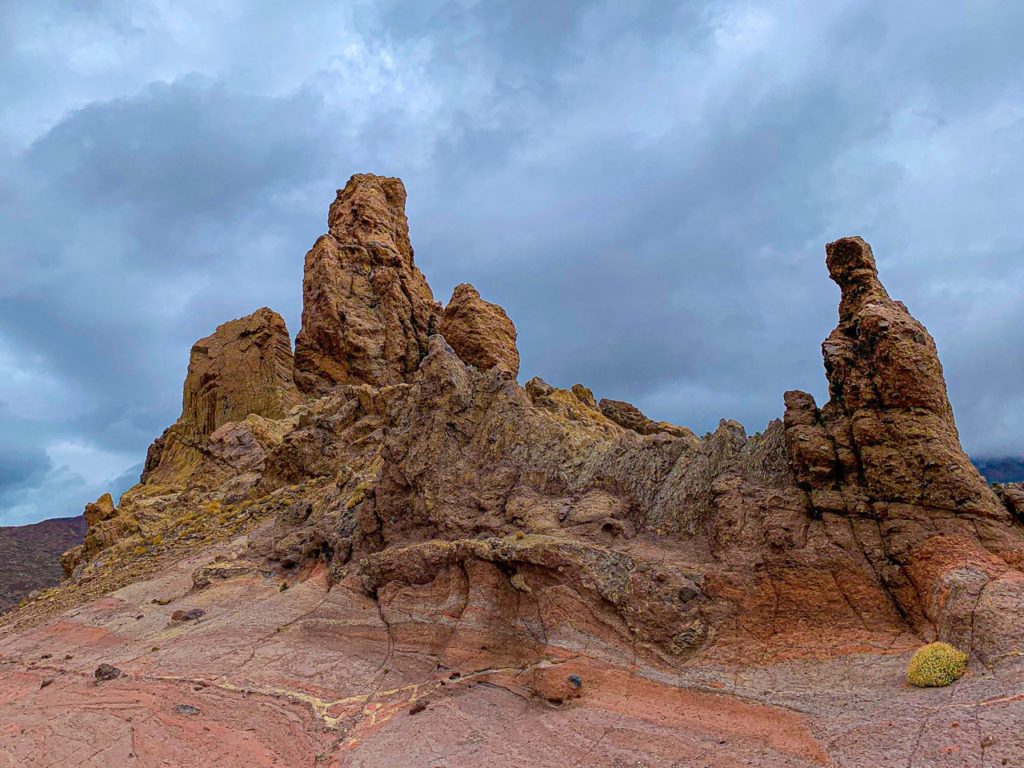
x,y
366,308
480,332
886,449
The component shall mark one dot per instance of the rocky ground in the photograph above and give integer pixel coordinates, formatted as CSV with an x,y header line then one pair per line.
x,y
386,551
320,675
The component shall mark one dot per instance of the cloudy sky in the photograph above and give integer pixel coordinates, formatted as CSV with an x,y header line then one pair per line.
x,y
646,187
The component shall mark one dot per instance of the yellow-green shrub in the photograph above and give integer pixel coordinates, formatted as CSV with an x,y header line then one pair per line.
x,y
936,665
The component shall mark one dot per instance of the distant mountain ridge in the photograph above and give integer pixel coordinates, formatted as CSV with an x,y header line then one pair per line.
x,y
30,555
1009,469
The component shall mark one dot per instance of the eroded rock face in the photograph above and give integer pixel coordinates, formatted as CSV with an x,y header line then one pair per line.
x,y
885,454
1012,495
366,308
480,332
243,368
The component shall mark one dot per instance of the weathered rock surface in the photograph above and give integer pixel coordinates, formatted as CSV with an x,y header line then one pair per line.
x,y
884,454
421,523
366,308
244,368
480,332
631,417
96,534
236,396
1012,495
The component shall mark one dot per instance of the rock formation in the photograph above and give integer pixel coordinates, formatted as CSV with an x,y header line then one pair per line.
x,y
418,522
480,332
631,417
243,369
1012,495
366,308
884,454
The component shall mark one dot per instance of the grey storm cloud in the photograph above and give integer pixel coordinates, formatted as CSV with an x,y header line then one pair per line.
x,y
645,187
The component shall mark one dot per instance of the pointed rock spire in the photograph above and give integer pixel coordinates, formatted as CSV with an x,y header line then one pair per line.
x,y
884,454
889,419
367,310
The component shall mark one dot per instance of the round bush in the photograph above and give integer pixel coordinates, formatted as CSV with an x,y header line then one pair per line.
x,y
936,665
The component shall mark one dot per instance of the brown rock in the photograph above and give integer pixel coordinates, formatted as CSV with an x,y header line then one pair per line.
x,y
244,368
631,417
480,332
1012,495
366,308
585,395
99,510
192,614
238,388
886,448
97,535
106,672
449,536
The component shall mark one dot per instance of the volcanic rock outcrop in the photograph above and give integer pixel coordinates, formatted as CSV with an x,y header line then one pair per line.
x,y
366,308
243,369
237,391
416,518
885,454
631,417
480,332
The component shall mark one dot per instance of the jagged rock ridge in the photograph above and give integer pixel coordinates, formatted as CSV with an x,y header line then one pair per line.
x,y
425,506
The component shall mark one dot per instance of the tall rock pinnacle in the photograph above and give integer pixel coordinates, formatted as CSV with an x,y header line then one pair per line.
x,y
367,310
885,455
889,416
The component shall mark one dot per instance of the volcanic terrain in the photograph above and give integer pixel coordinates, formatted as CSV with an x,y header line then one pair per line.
x,y
381,550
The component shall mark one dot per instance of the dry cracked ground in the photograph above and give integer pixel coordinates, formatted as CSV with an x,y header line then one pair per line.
x,y
381,550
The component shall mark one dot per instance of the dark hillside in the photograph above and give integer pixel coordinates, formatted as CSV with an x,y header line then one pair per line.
x,y
29,555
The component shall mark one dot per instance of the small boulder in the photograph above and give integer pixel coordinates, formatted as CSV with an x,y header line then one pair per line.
x,y
555,684
629,416
106,672
188,615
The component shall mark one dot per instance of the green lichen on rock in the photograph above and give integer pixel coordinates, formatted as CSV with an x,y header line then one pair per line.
x,y
936,665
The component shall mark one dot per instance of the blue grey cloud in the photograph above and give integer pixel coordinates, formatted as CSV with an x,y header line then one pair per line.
x,y
645,187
